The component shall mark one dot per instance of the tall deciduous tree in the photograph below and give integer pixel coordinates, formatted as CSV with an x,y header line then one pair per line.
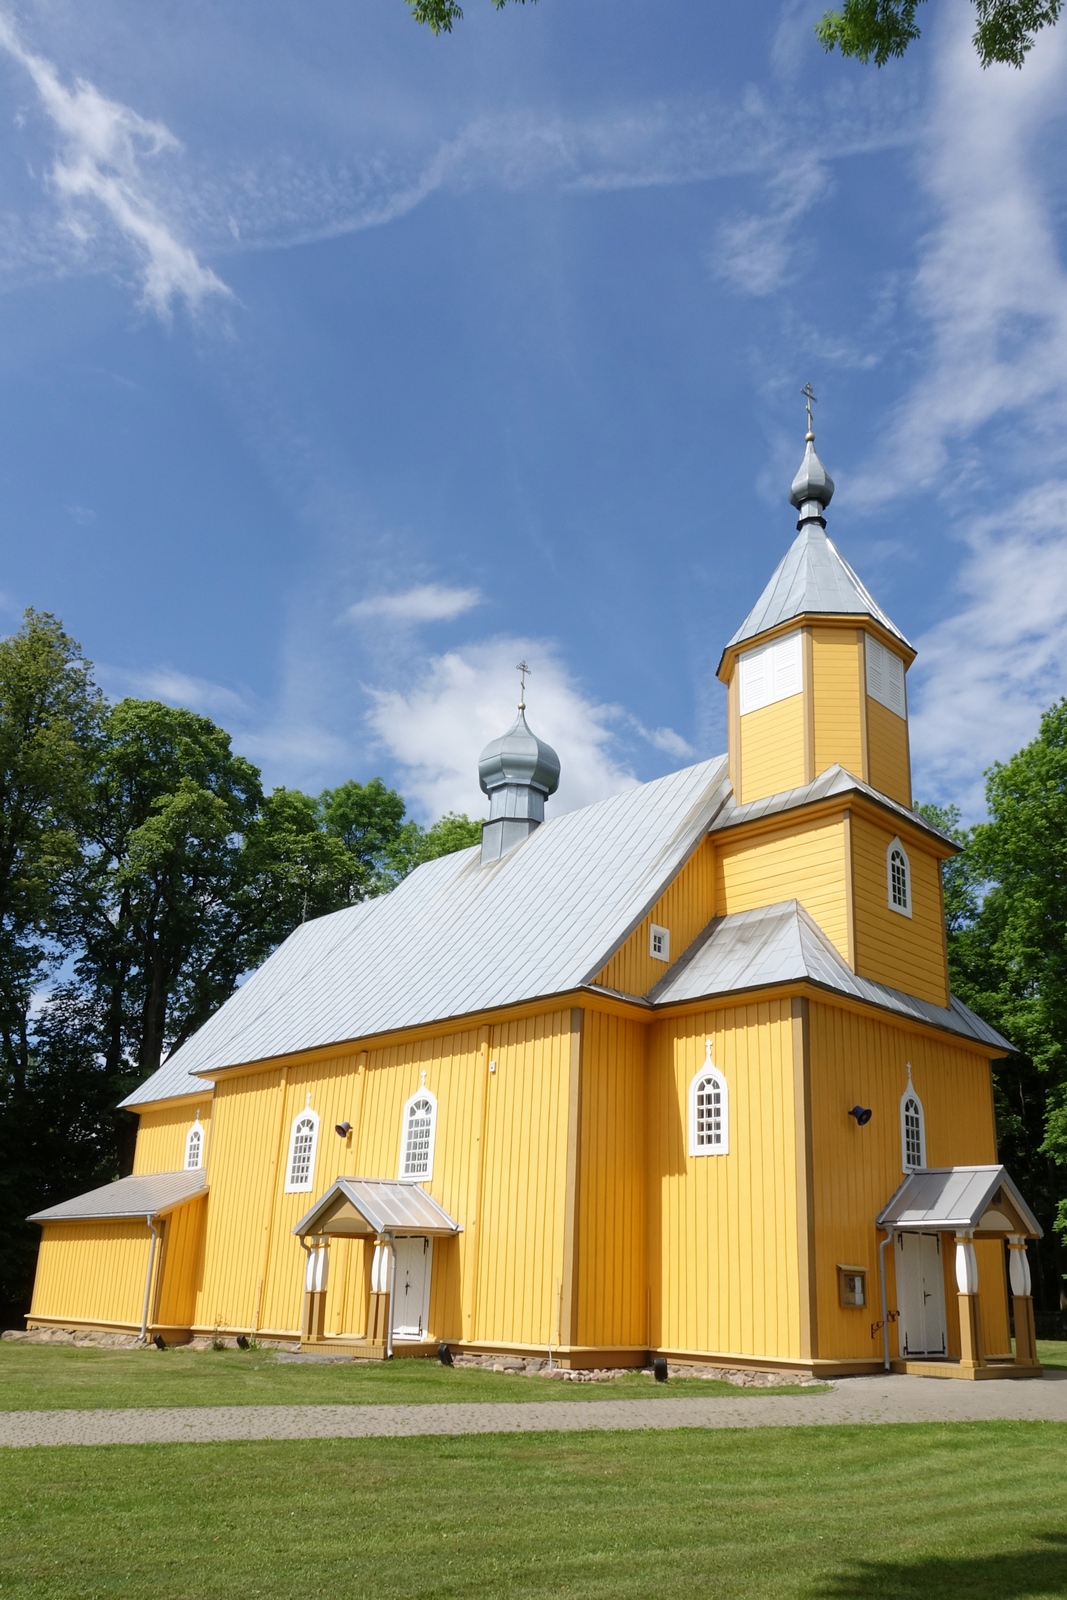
x,y
878,30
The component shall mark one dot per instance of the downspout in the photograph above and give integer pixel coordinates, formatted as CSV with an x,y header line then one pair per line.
x,y
392,1298
148,1278
885,1297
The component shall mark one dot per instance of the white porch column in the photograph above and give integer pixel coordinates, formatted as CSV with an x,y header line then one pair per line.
x,y
971,1353
1022,1302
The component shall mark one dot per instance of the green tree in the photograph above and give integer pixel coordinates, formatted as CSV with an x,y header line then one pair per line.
x,y
439,15
50,715
878,30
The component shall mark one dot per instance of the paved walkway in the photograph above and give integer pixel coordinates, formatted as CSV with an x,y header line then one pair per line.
x,y
894,1399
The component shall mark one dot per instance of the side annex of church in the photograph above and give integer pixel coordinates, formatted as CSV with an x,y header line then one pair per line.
x,y
676,1074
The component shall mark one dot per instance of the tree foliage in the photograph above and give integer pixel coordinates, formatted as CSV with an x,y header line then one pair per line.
x,y
440,15
879,30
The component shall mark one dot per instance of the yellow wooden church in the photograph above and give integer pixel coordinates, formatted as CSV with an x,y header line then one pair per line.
x,y
677,1074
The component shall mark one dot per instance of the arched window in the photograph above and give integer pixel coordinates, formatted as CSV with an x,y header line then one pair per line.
x,y
898,878
709,1111
300,1172
417,1137
912,1130
194,1146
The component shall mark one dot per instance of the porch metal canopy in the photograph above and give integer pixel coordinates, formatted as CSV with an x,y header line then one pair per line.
x,y
353,1207
979,1200
150,1195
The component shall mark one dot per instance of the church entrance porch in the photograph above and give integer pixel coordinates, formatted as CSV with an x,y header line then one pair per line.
x,y
401,1221
933,1223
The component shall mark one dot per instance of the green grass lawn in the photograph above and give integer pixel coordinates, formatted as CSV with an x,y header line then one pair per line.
x,y
37,1377
1052,1352
847,1513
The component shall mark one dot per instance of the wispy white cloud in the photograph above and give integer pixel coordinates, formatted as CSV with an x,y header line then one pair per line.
x,y
99,175
754,254
426,602
986,673
176,688
990,285
436,730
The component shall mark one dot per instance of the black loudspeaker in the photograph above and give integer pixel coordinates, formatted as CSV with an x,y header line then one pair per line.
x,y
659,1369
444,1355
862,1114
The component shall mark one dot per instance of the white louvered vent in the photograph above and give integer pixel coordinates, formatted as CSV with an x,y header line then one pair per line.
x,y
773,672
885,676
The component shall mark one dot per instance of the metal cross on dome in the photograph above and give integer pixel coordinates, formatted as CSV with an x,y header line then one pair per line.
x,y
522,669
812,399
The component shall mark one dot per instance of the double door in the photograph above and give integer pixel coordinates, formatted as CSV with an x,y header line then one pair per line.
x,y
921,1294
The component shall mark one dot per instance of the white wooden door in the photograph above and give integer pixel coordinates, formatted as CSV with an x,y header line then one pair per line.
x,y
921,1294
414,1258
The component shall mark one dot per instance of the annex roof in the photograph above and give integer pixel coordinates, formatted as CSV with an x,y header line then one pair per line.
x,y
982,1199
150,1196
457,937
783,944
353,1206
812,579
828,785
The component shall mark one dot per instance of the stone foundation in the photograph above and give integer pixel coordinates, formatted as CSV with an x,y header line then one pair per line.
x,y
745,1378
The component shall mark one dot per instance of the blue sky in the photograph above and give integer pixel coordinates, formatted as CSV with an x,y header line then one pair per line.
x,y
341,365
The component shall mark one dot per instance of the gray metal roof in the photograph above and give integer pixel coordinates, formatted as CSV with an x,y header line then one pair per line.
x,y
835,781
953,1197
784,944
146,1196
812,579
384,1205
456,937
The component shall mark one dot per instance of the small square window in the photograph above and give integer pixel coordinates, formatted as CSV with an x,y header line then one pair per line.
x,y
852,1286
659,943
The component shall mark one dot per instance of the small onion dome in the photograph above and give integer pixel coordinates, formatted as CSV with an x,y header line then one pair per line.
x,y
520,757
812,482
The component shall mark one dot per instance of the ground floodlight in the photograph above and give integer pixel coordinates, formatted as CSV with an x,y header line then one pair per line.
x,y
659,1369
444,1355
243,1342
862,1114
159,1342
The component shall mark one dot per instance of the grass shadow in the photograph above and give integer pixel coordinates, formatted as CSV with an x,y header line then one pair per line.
x,y
1035,1573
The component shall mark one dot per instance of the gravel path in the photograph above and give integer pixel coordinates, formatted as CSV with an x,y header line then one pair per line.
x,y
893,1399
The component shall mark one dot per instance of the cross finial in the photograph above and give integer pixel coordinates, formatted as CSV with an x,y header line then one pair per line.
x,y
522,669
812,399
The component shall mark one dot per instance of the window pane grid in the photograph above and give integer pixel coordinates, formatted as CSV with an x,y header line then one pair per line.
x,y
913,1134
898,879
303,1149
709,1112
417,1140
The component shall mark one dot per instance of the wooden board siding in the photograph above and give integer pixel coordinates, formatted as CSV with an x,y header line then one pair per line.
x,y
613,1186
524,1190
838,692
181,1261
725,1274
161,1134
905,952
890,762
857,1060
685,907
802,861
93,1272
772,748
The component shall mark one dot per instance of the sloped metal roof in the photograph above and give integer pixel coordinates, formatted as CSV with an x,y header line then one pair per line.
x,y
812,579
151,1195
835,781
784,944
952,1197
387,1205
456,937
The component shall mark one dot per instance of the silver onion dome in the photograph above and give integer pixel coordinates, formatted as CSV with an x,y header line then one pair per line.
x,y
519,757
812,488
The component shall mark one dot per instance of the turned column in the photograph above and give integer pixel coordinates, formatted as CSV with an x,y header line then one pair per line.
x,y
1022,1303
378,1314
971,1352
316,1276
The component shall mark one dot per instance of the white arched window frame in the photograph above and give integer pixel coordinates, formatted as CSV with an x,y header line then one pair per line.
x,y
418,1134
303,1145
194,1146
709,1111
912,1130
898,878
